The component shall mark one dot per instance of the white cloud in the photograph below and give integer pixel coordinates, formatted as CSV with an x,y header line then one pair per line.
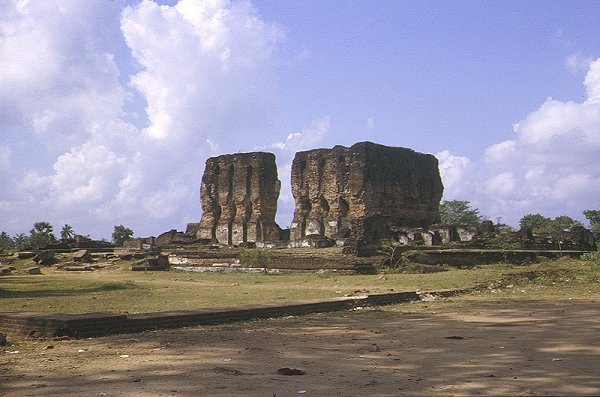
x,y
556,124
502,185
61,103
307,138
571,186
457,175
57,73
552,166
592,83
85,176
34,183
578,63
165,203
500,151
208,68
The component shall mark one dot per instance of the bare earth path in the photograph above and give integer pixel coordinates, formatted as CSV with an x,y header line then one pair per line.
x,y
466,348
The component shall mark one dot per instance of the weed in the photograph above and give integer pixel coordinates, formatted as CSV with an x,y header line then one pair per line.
x,y
591,256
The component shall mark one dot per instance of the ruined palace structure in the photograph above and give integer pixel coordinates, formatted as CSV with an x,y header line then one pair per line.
x,y
363,190
359,192
239,195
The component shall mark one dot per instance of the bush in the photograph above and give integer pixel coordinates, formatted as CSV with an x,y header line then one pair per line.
x,y
591,256
257,257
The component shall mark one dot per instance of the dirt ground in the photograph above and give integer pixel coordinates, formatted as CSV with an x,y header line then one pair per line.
x,y
528,348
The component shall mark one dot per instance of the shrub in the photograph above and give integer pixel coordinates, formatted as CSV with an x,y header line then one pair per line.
x,y
590,256
257,257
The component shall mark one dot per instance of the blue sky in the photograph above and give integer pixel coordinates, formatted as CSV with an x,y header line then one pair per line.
x,y
109,109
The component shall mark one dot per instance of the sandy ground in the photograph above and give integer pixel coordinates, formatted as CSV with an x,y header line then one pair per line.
x,y
492,348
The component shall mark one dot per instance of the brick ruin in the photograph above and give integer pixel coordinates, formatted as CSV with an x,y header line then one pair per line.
x,y
239,195
349,196
363,190
488,235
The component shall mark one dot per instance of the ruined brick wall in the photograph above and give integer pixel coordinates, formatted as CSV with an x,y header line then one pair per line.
x,y
380,185
239,195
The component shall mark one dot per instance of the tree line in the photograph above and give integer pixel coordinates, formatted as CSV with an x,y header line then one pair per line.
x,y
452,212
458,212
42,234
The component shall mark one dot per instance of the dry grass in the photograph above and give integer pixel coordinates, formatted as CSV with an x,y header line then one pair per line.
x,y
121,291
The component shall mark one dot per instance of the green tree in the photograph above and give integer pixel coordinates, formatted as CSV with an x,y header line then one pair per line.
x,y
457,212
41,235
121,234
556,227
535,222
541,224
561,224
564,222
67,232
6,243
21,242
593,216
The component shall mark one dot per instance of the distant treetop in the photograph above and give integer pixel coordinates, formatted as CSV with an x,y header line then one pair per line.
x,y
458,212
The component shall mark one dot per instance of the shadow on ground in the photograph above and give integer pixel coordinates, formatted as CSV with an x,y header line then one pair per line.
x,y
495,348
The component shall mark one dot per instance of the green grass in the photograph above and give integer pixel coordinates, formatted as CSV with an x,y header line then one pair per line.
x,y
122,291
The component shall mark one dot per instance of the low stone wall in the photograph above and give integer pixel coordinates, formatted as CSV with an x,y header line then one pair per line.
x,y
470,258
100,324
284,260
59,324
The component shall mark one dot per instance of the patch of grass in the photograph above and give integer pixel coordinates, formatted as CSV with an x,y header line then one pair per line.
x,y
20,264
550,281
120,291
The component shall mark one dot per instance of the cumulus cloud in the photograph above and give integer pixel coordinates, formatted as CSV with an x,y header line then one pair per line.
x,y
550,166
59,90
501,151
502,185
592,83
85,176
208,68
457,175
77,154
58,75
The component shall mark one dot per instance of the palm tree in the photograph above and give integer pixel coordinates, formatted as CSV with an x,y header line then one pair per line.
x,y
21,241
6,243
67,232
41,234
